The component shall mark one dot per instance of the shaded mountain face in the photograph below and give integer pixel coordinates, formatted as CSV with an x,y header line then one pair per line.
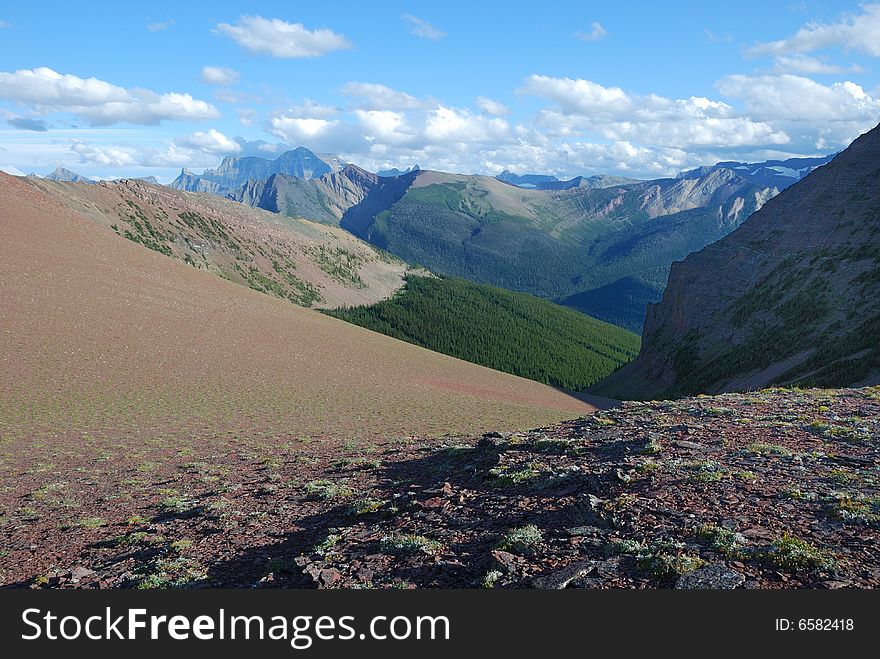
x,y
324,199
792,296
64,174
236,171
551,243
773,173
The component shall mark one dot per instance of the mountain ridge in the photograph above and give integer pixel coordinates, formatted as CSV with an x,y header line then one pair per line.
x,y
789,297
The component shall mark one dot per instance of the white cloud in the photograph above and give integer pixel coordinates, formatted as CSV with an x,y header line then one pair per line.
x,y
596,32
219,75
578,96
211,141
98,102
492,107
860,32
160,25
618,116
799,63
105,155
5,25
422,28
280,39
380,97
201,149
385,126
796,98
449,125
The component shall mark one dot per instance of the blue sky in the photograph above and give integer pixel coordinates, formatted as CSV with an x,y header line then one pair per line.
x,y
635,88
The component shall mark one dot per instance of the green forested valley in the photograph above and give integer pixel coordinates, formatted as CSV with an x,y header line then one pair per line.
x,y
507,331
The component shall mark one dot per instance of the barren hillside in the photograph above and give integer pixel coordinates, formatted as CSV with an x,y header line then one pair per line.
x,y
307,263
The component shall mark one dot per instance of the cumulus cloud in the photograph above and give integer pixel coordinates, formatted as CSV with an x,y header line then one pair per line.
x,y
211,141
97,101
197,149
578,96
860,32
492,107
314,125
422,28
616,115
272,36
797,98
106,155
450,125
219,75
596,32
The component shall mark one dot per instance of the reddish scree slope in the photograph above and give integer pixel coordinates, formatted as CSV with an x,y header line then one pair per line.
x,y
102,335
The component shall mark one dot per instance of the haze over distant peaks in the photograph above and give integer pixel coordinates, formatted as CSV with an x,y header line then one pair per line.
x,y
773,173
397,172
235,171
548,182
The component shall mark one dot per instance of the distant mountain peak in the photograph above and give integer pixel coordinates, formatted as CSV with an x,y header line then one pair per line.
x,y
235,171
771,173
394,171
549,182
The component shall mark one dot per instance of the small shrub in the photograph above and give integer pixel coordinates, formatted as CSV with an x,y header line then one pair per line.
x,y
327,544
327,490
491,579
794,554
520,540
409,544
364,506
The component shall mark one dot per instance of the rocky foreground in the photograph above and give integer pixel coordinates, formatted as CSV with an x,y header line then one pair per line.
x,y
772,489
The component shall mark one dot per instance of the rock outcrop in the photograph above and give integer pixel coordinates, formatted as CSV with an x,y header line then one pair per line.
x,y
790,297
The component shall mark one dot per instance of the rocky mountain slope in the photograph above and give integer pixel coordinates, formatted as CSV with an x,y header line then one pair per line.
x,y
235,171
790,297
323,199
298,260
774,489
554,243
